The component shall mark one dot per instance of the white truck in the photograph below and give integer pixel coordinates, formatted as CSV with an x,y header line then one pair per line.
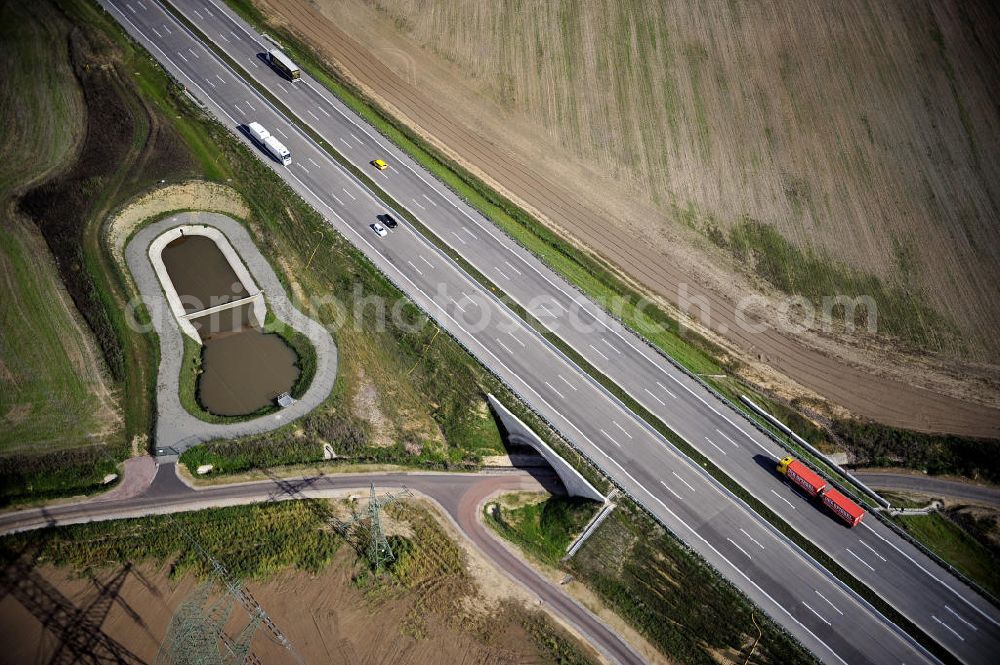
x,y
273,146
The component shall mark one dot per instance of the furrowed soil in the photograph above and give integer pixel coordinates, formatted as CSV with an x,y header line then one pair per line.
x,y
732,149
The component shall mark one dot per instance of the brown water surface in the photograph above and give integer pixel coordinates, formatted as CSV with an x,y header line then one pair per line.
x,y
200,273
244,368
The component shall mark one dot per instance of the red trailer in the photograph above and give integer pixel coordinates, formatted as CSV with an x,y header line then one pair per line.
x,y
843,507
801,475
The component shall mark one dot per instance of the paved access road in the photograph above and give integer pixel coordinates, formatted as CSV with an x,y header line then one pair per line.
x,y
932,486
459,495
815,607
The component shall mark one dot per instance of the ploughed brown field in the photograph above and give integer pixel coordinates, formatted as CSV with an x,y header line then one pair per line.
x,y
863,132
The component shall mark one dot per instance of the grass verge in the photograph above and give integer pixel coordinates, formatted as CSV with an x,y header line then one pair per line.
x,y
651,580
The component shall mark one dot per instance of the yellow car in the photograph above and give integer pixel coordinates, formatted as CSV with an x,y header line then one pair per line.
x,y
380,165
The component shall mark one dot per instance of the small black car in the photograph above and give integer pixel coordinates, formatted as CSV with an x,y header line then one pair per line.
x,y
388,220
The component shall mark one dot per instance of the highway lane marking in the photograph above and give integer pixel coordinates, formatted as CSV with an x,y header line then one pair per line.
x,y
429,264
511,266
751,538
554,390
622,428
348,193
209,81
254,63
960,618
567,382
662,403
514,337
221,80
374,249
742,550
278,129
460,239
247,102
224,38
682,480
240,109
342,140
721,433
714,445
199,14
547,310
324,111
816,613
612,441
183,56
131,8
235,36
872,550
339,202
835,608
597,351
207,12
194,54
783,499
671,490
605,340
169,31
851,552
455,302
142,6
507,348
313,161
418,204
315,117
302,167
429,200
474,237
949,628
502,273
360,142
931,575
157,32
666,390
413,265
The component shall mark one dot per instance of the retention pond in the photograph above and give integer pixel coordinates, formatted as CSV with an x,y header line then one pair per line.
x,y
244,369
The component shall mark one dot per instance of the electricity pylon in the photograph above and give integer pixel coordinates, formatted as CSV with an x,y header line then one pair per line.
x,y
369,522
197,634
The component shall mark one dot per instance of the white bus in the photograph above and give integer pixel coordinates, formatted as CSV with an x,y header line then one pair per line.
x,y
283,64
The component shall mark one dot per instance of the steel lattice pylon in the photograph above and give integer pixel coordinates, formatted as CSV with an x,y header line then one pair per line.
x,y
197,633
376,547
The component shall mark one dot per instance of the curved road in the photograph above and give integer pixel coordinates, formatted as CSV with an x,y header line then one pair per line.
x,y
458,495
932,486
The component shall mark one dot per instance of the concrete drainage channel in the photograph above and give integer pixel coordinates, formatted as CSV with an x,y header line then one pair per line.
x,y
176,428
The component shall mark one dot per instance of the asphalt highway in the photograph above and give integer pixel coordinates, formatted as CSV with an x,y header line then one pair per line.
x,y
814,606
460,496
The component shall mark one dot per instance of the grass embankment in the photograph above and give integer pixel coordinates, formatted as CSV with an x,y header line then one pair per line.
x,y
644,574
259,541
973,556
543,529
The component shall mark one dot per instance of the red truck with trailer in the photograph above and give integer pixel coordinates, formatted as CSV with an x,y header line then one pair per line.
x,y
813,485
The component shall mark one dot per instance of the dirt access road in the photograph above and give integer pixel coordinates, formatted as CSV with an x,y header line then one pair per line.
x,y
459,496
861,390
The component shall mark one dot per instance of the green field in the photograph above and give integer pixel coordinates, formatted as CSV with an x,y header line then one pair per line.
x,y
53,392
